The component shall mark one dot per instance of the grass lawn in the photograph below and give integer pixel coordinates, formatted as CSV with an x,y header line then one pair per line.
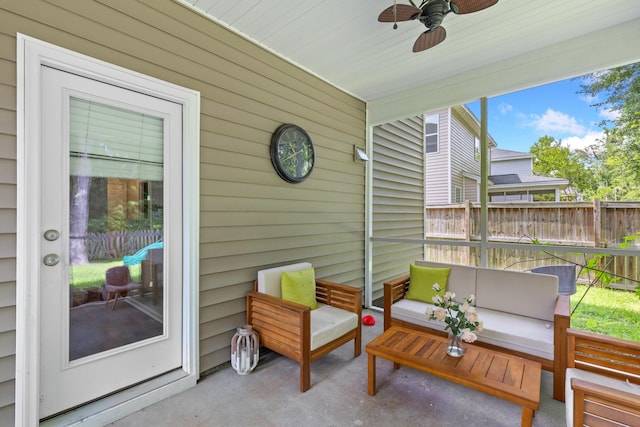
x,y
607,311
92,275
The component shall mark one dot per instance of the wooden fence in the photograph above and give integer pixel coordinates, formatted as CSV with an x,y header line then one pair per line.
x,y
117,244
592,224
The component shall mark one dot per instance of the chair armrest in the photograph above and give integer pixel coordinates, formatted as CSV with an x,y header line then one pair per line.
x,y
394,291
591,400
561,322
283,326
341,296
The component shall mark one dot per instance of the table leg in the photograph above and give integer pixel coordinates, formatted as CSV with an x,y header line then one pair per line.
x,y
372,375
527,417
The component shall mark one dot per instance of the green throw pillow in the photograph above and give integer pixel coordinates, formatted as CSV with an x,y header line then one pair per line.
x,y
300,287
421,282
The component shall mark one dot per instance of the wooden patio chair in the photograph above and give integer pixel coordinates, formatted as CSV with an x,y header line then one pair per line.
x,y
602,381
295,330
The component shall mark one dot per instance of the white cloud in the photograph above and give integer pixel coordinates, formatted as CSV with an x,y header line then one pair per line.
x,y
581,142
554,121
505,108
588,99
609,114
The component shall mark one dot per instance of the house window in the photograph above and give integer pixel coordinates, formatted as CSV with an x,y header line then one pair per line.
x,y
431,133
476,147
458,195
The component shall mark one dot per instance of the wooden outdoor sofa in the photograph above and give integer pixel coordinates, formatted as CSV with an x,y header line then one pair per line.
x,y
298,332
602,381
523,313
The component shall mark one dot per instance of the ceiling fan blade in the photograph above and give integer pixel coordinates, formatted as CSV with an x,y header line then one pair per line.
x,y
429,39
403,12
469,6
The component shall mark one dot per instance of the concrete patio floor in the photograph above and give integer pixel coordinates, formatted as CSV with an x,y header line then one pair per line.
x,y
270,396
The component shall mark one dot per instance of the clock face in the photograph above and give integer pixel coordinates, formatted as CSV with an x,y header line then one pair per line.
x,y
292,153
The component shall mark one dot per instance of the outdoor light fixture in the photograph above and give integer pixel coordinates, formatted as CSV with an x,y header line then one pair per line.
x,y
359,154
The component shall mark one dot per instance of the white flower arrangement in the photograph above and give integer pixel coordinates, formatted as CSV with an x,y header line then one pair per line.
x,y
461,318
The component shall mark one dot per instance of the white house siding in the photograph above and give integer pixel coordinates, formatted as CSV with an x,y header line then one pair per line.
x,y
471,190
518,166
250,218
398,197
437,165
463,154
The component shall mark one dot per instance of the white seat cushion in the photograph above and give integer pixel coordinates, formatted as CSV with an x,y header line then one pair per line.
x,y
329,323
414,312
594,378
270,280
519,333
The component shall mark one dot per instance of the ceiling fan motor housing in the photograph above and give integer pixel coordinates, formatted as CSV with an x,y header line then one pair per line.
x,y
433,13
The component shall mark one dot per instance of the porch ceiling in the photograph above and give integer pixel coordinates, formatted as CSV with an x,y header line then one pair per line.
x,y
343,43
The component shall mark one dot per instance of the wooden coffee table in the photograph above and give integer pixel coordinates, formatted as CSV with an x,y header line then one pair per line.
x,y
502,375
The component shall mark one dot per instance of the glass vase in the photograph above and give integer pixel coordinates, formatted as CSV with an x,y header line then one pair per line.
x,y
455,346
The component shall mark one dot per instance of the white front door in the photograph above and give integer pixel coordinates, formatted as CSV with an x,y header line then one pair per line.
x,y
111,185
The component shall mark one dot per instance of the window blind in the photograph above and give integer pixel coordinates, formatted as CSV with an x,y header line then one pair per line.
x,y
111,142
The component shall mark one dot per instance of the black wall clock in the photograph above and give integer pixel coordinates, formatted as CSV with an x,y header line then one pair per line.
x,y
292,153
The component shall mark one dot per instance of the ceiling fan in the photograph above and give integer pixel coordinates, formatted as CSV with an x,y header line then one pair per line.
x,y
431,13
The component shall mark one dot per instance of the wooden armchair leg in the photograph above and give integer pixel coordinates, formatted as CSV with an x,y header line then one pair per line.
x,y
305,375
558,385
357,345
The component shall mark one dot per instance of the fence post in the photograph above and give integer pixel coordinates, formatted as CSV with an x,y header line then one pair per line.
x,y
597,226
467,220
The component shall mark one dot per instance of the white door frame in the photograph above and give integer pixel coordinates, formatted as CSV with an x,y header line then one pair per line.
x,y
31,55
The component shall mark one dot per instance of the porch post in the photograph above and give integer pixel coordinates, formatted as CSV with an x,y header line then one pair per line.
x,y
484,177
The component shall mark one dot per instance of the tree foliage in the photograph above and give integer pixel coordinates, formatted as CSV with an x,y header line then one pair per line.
x,y
617,162
610,169
555,160
617,90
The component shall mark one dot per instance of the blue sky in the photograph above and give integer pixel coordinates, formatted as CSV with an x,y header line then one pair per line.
x,y
518,119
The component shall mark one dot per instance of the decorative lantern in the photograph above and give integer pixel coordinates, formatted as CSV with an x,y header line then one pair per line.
x,y
245,348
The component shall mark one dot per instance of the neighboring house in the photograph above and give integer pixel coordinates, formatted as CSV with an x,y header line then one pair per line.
x,y
452,164
452,156
513,179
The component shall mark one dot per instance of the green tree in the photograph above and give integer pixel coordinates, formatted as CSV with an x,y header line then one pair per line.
x,y
555,160
618,91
